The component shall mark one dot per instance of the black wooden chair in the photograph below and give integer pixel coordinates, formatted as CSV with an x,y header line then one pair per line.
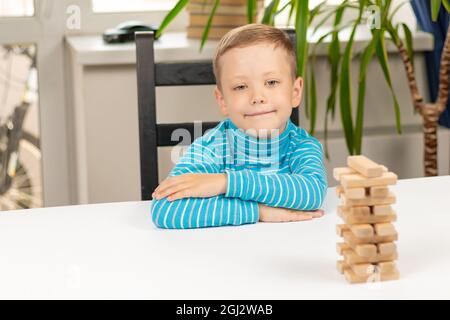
x,y
149,76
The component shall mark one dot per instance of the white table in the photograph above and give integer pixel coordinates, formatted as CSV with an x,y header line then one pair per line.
x,y
114,251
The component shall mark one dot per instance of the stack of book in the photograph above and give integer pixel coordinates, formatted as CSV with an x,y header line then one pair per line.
x,y
229,15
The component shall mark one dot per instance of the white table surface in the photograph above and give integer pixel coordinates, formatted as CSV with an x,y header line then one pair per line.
x,y
114,251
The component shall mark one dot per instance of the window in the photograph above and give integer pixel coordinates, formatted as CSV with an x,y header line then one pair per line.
x,y
16,8
103,6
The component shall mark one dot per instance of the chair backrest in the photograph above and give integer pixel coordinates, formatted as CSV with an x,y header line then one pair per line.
x,y
149,76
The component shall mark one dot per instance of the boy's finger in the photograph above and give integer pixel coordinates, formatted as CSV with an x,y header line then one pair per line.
x,y
178,195
301,216
317,213
170,190
165,185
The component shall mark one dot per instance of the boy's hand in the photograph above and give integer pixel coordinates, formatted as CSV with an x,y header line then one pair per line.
x,y
199,185
272,214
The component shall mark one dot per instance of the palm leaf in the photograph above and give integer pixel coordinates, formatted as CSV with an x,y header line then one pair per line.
x,y
208,24
301,28
316,10
409,42
270,12
435,6
365,59
383,59
251,9
332,12
292,10
170,16
446,4
345,94
313,98
398,7
286,5
334,57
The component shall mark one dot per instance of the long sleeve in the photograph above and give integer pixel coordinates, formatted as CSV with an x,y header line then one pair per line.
x,y
201,212
303,189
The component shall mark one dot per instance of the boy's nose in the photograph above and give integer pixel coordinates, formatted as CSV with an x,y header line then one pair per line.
x,y
258,100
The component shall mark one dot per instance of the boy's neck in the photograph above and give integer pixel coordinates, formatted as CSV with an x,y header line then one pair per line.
x,y
277,132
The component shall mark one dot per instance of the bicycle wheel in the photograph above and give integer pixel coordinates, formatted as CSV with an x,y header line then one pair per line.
x,y
26,187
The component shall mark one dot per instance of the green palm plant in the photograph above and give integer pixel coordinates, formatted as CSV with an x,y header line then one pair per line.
x,y
340,56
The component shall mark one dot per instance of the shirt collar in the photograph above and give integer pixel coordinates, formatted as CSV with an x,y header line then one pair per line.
x,y
256,150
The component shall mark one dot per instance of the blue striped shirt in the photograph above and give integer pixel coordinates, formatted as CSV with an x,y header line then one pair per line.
x,y
286,171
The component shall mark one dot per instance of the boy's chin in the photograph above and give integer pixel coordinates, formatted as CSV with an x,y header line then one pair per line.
x,y
264,131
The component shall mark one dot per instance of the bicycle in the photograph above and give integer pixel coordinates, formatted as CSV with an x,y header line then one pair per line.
x,y
20,155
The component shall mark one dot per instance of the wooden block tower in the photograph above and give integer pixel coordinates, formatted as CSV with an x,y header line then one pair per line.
x,y
368,248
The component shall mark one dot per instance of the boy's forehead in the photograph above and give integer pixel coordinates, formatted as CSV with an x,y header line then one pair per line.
x,y
242,62
254,51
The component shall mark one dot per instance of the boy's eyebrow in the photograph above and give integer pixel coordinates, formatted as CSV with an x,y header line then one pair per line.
x,y
268,72
244,77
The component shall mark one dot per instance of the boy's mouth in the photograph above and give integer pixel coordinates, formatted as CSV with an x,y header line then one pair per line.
x,y
259,113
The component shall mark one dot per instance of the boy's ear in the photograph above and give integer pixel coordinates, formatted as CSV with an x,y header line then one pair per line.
x,y
220,101
297,92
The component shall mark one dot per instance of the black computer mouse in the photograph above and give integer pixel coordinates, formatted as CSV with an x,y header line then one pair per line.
x,y
124,32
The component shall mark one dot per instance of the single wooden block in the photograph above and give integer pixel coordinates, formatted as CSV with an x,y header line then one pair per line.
x,y
351,257
387,267
339,190
363,250
351,239
368,201
366,250
379,191
338,172
340,266
382,210
351,219
340,229
362,230
366,269
354,193
359,181
363,269
365,166
359,212
384,229
353,278
387,248
341,247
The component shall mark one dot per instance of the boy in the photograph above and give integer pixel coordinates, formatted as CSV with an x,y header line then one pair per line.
x,y
255,165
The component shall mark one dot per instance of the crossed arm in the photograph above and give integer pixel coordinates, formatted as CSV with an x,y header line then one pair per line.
x,y
198,193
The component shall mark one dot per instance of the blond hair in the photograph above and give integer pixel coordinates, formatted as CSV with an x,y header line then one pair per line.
x,y
252,34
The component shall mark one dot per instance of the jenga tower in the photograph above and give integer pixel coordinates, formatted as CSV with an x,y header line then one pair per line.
x,y
368,248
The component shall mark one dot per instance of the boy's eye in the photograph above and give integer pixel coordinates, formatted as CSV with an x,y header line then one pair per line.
x,y
239,87
272,82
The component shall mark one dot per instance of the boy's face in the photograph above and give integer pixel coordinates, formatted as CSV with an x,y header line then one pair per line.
x,y
258,91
